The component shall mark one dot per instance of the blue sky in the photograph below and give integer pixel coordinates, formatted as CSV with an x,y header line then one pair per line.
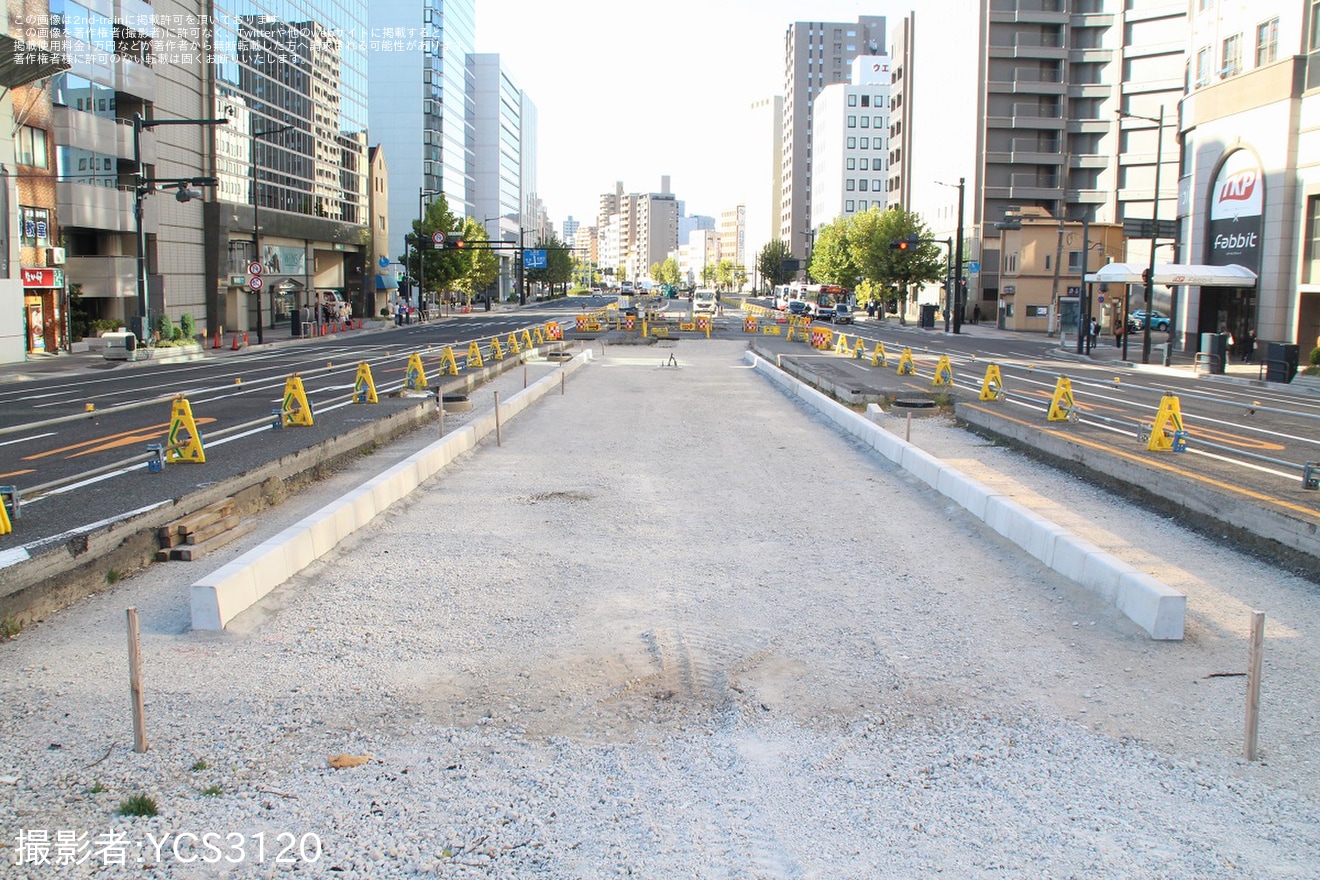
x,y
631,89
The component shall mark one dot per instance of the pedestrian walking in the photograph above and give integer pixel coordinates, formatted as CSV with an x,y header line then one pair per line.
x,y
976,313
1093,334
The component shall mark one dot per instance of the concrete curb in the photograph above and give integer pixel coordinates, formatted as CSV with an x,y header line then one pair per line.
x,y
1154,606
226,592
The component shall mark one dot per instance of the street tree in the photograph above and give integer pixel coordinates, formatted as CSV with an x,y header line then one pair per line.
x,y
874,236
770,263
832,258
480,265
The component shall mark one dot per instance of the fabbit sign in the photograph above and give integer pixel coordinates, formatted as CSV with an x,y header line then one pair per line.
x,y
1237,202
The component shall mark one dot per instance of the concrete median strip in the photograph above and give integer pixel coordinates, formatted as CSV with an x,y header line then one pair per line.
x,y
1151,604
226,592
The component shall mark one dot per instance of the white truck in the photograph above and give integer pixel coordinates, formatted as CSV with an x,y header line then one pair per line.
x,y
703,302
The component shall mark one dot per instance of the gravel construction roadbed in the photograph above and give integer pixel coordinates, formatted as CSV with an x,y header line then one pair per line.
x,y
676,626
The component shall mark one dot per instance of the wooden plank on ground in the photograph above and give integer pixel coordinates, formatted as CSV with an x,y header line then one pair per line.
x,y
205,533
207,515
193,552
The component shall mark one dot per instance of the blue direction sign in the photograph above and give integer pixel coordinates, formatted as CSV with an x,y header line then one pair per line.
x,y
534,259
973,267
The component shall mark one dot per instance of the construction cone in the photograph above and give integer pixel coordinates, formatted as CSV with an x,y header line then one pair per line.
x,y
245,342
217,340
234,347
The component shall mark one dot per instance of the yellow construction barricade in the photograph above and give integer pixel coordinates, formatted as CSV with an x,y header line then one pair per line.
x,y
905,365
364,387
943,372
1166,433
992,386
182,425
1062,405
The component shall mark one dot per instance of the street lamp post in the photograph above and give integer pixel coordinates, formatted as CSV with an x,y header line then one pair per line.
x,y
422,194
140,189
500,277
811,251
1154,236
957,282
256,224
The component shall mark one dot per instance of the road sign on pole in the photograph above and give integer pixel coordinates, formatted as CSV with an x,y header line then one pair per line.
x,y
437,237
534,259
255,268
255,282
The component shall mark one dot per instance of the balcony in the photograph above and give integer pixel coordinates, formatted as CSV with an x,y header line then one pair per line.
x,y
135,79
104,277
86,206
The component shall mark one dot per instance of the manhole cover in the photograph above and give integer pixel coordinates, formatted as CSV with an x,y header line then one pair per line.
x,y
914,402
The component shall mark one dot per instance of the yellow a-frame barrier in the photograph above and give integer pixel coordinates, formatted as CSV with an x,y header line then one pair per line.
x,y
182,422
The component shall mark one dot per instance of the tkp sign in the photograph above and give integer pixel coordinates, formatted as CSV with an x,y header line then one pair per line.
x,y
1237,203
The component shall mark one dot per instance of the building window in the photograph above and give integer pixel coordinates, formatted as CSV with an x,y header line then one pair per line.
x,y
877,184
850,206
1267,42
1203,66
1230,59
852,143
1312,264
852,100
866,165
866,100
852,121
1203,5
866,122
850,184
35,224
861,185
31,144
852,164
866,143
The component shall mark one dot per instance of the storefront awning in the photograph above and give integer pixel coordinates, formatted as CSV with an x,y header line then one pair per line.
x,y
386,282
1176,274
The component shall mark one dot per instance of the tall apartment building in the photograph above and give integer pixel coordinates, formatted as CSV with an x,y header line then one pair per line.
x,y
638,230
816,54
850,143
733,236
763,175
422,103
502,115
1048,81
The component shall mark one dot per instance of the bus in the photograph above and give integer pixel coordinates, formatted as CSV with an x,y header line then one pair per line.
x,y
820,298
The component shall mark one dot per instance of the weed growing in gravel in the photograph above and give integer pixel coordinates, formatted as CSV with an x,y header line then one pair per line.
x,y
199,765
138,805
96,788
213,791
9,627
112,577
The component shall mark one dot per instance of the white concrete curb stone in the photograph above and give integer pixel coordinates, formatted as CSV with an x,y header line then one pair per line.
x,y
1154,606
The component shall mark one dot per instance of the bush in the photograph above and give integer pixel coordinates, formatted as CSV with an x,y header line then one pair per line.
x,y
164,328
188,326
1315,356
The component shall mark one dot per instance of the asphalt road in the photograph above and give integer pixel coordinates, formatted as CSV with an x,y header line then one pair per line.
x,y
47,435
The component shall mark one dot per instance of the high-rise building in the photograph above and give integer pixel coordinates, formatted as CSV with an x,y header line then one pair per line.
x,y
1029,117
850,143
292,163
501,115
816,54
422,103
638,230
762,176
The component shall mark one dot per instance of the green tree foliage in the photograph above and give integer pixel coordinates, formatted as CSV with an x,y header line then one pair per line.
x,y
441,266
770,263
667,272
480,265
558,264
188,326
870,235
708,274
832,257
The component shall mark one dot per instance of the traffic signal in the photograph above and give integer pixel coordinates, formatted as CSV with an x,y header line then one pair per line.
x,y
457,244
905,244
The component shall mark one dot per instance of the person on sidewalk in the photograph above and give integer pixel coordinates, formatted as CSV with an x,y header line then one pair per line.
x,y
1093,335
